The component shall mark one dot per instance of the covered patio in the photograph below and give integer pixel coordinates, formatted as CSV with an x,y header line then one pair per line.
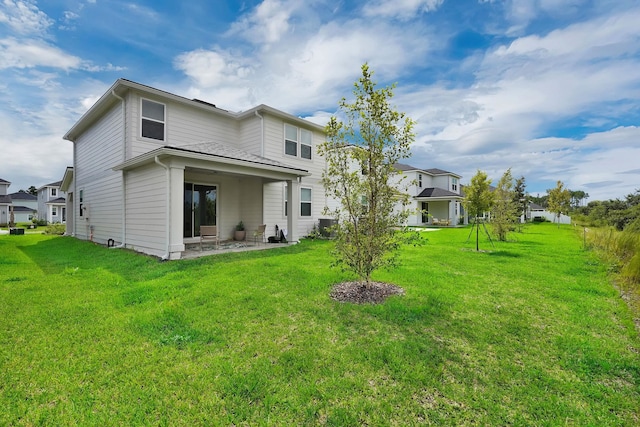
x,y
204,184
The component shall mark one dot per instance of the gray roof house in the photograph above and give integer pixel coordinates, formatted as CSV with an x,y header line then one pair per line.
x,y
25,206
150,167
436,196
52,205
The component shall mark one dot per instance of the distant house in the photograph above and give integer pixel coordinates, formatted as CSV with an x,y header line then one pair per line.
x,y
436,197
25,206
535,212
52,205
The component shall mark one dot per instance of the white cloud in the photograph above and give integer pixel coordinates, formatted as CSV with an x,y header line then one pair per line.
x,y
34,53
267,23
213,68
402,9
24,17
315,66
520,13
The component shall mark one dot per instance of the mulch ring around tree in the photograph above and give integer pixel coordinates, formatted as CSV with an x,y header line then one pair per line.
x,y
359,293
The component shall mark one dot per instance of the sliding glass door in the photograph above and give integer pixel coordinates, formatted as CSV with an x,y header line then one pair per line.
x,y
200,207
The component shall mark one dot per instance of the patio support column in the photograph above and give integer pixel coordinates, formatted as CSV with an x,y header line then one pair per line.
x,y
176,211
293,196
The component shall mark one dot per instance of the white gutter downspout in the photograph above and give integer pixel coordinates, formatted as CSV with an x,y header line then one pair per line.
x,y
261,133
124,158
168,226
261,154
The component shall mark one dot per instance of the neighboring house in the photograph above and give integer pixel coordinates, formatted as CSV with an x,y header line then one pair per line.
x,y
25,206
537,211
5,202
52,205
151,167
435,196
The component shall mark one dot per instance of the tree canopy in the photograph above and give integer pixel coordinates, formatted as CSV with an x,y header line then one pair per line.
x,y
559,200
504,213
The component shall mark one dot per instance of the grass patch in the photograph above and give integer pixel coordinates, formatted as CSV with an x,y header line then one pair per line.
x,y
530,332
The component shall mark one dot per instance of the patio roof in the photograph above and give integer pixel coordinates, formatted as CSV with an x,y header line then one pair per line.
x,y
435,193
219,157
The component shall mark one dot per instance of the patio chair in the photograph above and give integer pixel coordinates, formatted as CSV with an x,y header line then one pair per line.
x,y
435,221
209,232
259,233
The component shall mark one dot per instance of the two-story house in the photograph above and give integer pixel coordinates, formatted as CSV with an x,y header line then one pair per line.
x,y
150,167
51,203
435,196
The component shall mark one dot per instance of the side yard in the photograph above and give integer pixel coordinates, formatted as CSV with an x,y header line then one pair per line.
x,y
530,332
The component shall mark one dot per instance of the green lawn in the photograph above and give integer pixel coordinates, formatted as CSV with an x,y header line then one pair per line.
x,y
529,333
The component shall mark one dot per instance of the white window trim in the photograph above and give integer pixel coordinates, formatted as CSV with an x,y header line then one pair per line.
x,y
310,202
164,120
298,141
53,192
285,202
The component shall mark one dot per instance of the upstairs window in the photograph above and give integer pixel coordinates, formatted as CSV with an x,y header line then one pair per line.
x,y
454,184
152,120
294,137
291,140
420,180
306,139
54,192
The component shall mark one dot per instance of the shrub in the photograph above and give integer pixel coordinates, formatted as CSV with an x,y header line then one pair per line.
x,y
58,229
620,249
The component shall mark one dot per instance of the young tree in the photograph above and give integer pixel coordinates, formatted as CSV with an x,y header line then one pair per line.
x,y
504,213
559,200
361,153
520,197
478,199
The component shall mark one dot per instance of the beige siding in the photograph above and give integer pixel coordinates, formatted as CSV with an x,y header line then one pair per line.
x,y
183,125
97,151
251,135
146,209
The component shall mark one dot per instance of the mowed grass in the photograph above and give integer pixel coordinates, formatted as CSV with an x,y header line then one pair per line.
x,y
530,332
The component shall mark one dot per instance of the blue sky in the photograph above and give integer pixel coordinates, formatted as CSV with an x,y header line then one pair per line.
x,y
549,88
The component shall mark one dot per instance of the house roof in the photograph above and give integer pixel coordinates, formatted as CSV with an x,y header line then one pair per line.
x,y
226,151
53,184
23,209
67,179
21,195
436,171
227,159
433,171
536,207
121,86
5,200
435,192
58,201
